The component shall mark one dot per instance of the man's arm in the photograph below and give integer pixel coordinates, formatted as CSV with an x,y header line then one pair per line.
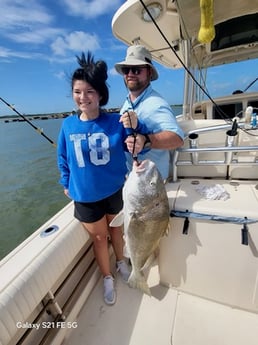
x,y
165,140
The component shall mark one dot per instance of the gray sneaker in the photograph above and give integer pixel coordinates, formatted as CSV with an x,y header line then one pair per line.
x,y
123,269
109,290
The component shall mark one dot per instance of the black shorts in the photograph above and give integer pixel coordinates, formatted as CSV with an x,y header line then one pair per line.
x,y
90,212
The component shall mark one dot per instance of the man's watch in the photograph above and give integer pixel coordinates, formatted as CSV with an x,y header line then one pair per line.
x,y
147,143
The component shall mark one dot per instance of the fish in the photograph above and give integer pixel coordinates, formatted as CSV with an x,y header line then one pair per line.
x,y
145,217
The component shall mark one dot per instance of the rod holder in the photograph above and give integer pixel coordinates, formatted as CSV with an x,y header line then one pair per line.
x,y
193,143
231,140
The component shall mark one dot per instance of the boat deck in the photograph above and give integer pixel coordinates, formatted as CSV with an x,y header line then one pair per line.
x,y
137,319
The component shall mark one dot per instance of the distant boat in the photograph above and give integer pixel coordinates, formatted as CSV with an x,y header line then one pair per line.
x,y
204,283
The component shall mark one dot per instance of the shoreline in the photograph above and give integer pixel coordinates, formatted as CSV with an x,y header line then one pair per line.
x,y
61,115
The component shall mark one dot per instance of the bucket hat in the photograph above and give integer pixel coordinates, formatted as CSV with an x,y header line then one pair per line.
x,y
137,55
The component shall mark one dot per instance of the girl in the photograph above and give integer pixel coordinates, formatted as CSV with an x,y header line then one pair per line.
x,y
92,164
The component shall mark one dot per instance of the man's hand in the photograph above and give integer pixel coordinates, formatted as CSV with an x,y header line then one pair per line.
x,y
135,143
129,119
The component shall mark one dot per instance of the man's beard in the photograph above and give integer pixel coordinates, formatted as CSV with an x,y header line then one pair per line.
x,y
136,85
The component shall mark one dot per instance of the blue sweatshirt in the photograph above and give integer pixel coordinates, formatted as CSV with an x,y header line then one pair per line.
x,y
91,156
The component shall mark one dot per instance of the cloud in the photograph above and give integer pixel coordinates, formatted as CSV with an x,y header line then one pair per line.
x,y
32,25
4,52
113,72
76,41
8,53
23,14
60,75
91,9
34,36
26,22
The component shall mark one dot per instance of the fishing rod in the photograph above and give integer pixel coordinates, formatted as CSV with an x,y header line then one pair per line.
x,y
223,115
220,111
29,122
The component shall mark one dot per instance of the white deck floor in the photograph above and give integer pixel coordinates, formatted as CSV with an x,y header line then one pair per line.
x,y
168,317
134,316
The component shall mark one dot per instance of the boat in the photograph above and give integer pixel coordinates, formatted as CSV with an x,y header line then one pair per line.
x,y
204,281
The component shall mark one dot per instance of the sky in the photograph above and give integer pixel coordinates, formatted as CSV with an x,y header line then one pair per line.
x,y
39,41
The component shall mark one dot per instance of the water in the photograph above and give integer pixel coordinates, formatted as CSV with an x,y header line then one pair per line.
x,y
29,188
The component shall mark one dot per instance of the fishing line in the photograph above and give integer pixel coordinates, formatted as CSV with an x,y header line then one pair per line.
x,y
223,115
220,111
29,122
250,85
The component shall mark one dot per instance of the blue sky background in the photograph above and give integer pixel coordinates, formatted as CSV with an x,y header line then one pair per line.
x,y
40,38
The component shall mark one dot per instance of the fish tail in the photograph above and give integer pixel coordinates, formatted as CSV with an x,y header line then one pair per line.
x,y
139,282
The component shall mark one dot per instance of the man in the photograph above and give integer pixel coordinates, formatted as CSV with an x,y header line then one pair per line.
x,y
150,107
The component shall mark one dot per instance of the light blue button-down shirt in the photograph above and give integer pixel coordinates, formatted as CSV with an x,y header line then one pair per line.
x,y
153,110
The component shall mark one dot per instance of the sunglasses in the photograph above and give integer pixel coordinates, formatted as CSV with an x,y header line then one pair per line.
x,y
135,70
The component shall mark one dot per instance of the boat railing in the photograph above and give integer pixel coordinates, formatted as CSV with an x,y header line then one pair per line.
x,y
231,149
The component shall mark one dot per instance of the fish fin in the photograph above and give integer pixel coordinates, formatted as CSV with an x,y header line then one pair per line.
x,y
118,220
167,229
149,261
139,282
